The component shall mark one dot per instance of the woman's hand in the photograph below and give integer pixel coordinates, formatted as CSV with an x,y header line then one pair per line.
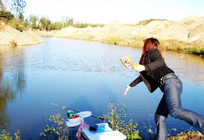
x,y
139,68
126,90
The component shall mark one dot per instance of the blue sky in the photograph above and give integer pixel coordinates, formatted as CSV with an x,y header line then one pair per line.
x,y
105,11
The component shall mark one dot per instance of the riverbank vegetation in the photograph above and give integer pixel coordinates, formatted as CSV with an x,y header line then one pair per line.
x,y
133,35
169,45
117,120
39,23
33,22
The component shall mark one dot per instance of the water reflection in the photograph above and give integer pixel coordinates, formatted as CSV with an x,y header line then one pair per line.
x,y
188,67
12,80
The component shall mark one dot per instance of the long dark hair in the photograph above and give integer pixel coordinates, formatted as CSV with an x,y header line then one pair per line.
x,y
150,43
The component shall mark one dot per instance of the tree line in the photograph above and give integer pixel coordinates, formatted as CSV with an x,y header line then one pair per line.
x,y
11,12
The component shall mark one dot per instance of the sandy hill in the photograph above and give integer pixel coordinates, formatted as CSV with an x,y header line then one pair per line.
x,y
190,30
8,34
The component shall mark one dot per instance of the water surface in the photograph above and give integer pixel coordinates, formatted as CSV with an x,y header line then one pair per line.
x,y
84,76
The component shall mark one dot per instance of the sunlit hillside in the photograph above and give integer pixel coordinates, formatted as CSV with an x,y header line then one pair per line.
x,y
12,37
186,35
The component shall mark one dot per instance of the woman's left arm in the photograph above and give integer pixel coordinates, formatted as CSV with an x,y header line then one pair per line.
x,y
156,62
139,68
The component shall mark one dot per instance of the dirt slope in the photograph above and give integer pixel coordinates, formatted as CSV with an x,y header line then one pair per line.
x,y
8,34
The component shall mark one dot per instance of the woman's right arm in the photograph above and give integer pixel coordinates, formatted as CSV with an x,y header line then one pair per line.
x,y
134,83
127,88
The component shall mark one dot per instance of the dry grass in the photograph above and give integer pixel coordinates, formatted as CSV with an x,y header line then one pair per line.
x,y
190,135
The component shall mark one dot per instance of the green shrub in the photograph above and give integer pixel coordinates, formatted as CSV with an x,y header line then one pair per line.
x,y
20,28
58,130
5,15
116,118
194,50
114,40
17,24
6,136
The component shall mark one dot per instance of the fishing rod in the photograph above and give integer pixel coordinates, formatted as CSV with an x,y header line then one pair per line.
x,y
67,108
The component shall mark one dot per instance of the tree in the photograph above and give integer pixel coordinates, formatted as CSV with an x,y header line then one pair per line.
x,y
67,21
21,17
57,26
14,6
1,5
18,6
5,15
33,22
44,23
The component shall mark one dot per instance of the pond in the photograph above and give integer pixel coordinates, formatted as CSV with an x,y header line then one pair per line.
x,y
85,76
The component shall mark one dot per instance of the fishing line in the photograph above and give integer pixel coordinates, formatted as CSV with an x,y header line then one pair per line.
x,y
67,108
41,114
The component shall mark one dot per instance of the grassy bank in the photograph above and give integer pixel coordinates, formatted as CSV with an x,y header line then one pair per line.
x,y
168,45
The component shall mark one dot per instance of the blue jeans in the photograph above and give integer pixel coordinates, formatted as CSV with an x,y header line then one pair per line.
x,y
171,104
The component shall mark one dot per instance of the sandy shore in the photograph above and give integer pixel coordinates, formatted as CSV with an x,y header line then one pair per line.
x,y
185,35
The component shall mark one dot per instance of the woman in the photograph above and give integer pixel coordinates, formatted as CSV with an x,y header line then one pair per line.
x,y
154,73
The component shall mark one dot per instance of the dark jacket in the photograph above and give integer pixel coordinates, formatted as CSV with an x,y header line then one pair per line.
x,y
155,69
